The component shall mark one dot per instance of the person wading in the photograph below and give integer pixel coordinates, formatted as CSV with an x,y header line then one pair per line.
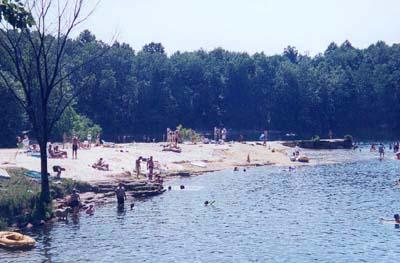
x,y
121,195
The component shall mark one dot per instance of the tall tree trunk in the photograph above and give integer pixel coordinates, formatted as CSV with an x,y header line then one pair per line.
x,y
45,193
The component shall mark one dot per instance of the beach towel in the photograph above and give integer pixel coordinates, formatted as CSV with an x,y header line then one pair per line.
x,y
33,174
4,174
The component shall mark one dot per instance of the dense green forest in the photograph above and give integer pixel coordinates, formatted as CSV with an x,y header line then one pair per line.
x,y
345,89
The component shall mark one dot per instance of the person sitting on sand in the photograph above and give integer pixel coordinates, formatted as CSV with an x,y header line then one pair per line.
x,y
121,194
101,165
138,161
159,180
58,152
90,210
52,154
75,200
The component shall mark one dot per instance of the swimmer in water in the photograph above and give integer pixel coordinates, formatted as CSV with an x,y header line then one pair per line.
x,y
206,203
396,219
90,210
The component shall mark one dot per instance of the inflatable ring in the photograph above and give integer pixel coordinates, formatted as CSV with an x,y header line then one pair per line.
x,y
16,240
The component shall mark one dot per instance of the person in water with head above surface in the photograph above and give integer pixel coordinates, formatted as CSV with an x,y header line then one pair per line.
x,y
121,194
381,151
75,201
395,221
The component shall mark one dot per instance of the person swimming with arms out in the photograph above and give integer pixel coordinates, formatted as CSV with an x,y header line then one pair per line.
x,y
207,203
395,221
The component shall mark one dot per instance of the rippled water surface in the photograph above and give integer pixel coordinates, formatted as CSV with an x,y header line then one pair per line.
x,y
326,213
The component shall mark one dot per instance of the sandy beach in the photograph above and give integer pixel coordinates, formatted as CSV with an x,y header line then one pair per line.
x,y
194,159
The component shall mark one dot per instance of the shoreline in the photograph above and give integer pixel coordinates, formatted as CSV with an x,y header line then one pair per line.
x,y
194,159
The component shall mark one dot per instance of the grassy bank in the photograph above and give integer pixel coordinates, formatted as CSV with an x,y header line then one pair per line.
x,y
19,197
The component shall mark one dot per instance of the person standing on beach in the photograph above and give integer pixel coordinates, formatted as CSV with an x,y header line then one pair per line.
x,y
215,134
89,139
176,139
223,134
121,194
75,144
138,161
65,140
168,135
265,139
150,167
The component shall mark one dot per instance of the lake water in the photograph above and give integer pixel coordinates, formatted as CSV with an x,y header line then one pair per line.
x,y
325,213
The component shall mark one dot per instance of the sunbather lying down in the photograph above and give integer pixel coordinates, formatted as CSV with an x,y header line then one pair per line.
x,y
101,165
170,148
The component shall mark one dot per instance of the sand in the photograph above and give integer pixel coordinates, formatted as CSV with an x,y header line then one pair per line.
x,y
197,158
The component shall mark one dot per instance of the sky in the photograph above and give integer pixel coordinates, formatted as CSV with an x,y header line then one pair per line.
x,y
246,26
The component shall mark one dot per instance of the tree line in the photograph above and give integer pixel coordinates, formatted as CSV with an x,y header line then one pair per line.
x,y
343,89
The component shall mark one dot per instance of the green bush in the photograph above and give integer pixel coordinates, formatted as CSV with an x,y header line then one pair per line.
x,y
64,187
348,138
3,224
187,134
18,197
315,138
71,123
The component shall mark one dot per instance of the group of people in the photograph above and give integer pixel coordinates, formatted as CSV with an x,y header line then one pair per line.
x,y
55,152
173,137
220,134
23,142
381,149
75,204
149,164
